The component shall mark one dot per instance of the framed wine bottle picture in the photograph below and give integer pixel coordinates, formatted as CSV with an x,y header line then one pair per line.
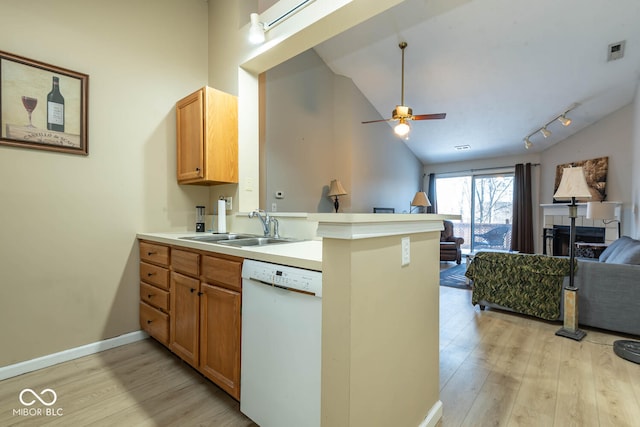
x,y
42,106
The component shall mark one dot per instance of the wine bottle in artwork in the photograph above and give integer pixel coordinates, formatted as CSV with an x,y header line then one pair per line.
x,y
55,107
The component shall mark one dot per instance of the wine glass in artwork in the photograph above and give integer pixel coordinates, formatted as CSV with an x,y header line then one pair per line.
x,y
29,105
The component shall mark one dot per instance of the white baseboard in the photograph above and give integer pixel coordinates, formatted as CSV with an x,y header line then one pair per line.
x,y
434,415
20,368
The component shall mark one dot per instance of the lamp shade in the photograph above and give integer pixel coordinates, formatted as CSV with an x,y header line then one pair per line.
x,y
601,210
572,184
336,189
420,199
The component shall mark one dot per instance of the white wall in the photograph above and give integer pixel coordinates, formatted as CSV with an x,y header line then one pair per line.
x,y
314,134
68,257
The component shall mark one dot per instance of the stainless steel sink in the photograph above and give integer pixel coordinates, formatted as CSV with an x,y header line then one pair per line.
x,y
216,238
256,241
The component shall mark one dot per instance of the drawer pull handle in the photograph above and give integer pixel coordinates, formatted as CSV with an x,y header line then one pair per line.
x,y
197,169
151,253
199,293
150,274
192,290
149,322
149,296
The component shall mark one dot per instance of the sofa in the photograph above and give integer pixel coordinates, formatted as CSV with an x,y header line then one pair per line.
x,y
608,288
450,244
523,283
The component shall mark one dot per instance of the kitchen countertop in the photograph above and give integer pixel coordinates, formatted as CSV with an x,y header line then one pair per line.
x,y
303,254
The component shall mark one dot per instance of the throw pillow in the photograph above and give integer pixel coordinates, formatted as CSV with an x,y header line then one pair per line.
x,y
631,255
614,248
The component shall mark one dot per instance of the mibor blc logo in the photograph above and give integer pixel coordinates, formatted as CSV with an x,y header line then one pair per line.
x,y
46,398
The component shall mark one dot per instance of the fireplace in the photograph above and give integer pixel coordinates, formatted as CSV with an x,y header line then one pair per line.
x,y
560,237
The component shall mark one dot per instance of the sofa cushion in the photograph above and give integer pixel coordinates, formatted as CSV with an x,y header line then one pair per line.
x,y
625,250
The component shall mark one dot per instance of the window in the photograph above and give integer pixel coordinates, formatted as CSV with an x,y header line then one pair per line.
x,y
485,203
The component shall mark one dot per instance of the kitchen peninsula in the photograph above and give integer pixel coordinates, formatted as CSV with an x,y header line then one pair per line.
x,y
379,313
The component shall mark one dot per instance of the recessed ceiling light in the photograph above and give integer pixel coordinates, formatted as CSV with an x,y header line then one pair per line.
x,y
462,147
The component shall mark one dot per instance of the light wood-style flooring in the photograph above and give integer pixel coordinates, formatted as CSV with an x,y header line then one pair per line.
x,y
496,369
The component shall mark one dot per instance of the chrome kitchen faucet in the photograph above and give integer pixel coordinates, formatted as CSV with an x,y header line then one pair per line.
x,y
266,222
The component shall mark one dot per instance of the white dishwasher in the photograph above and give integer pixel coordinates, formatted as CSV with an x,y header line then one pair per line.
x,y
281,345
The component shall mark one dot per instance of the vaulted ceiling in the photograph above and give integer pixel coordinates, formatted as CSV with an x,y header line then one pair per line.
x,y
500,69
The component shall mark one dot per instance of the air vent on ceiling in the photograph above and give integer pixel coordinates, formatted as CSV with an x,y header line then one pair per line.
x,y
615,51
462,147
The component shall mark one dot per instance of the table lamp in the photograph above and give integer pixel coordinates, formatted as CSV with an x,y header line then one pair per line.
x,y
572,185
336,189
419,200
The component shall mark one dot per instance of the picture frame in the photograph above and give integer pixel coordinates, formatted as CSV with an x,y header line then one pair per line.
x,y
595,173
42,106
384,210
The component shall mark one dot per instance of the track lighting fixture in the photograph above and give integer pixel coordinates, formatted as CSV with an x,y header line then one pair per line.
x,y
258,29
562,118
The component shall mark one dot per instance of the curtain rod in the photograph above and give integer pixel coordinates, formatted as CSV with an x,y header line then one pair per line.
x,y
484,169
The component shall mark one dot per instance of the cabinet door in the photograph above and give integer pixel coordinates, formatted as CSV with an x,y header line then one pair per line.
x,y
190,137
220,337
184,317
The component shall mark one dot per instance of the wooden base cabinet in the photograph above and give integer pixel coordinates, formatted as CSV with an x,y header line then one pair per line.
x,y
185,301
220,337
154,290
190,301
205,300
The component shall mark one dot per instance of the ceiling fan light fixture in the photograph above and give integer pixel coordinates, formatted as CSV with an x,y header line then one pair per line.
x,y
545,132
402,128
564,120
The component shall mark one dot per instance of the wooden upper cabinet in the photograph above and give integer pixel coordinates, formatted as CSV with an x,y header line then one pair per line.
x,y
207,138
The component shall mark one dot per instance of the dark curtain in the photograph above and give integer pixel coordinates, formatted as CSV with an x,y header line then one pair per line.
x,y
522,229
431,194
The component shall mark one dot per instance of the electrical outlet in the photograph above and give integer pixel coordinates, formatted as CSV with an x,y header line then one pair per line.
x,y
274,207
228,201
406,251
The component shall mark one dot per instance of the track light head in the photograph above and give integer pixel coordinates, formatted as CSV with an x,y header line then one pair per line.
x,y
256,30
545,132
564,120
527,143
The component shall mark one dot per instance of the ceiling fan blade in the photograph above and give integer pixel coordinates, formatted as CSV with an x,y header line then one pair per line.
x,y
430,116
376,121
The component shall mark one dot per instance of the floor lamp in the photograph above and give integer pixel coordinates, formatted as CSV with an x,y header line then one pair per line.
x,y
572,185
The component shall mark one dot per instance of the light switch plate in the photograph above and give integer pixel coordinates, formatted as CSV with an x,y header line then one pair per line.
x,y
406,251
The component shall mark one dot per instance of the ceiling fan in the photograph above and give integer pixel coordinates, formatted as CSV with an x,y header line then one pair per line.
x,y
402,113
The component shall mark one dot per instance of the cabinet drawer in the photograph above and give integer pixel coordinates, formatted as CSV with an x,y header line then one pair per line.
x,y
155,323
222,271
155,275
154,296
185,262
156,254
